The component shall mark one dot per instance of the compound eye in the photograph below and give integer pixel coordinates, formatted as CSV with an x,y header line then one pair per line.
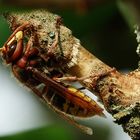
x,y
11,49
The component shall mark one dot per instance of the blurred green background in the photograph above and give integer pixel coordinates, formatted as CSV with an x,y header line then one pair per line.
x,y
105,28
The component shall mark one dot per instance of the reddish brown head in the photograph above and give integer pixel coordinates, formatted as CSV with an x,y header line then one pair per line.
x,y
13,48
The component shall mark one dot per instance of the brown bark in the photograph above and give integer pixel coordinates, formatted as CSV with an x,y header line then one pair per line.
x,y
119,93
